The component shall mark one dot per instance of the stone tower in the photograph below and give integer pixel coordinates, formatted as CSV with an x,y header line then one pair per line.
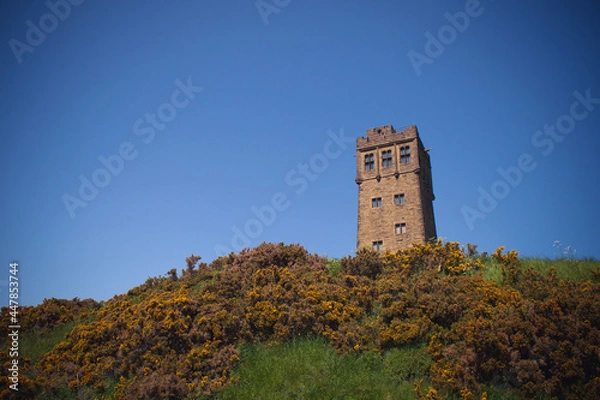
x,y
395,190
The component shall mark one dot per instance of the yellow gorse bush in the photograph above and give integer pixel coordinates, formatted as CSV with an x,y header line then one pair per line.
x,y
174,336
446,257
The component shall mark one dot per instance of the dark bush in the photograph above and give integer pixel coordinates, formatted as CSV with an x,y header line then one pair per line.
x,y
175,337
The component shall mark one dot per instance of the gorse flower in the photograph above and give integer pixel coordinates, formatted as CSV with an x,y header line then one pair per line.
x,y
177,336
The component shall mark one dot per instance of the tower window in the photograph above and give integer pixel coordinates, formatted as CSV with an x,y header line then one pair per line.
x,y
376,202
400,228
369,162
405,155
378,245
386,158
399,199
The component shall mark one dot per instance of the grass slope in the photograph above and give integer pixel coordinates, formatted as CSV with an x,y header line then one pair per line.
x,y
576,270
33,346
312,369
301,368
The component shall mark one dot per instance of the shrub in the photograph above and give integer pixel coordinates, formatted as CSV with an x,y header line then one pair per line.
x,y
420,312
366,263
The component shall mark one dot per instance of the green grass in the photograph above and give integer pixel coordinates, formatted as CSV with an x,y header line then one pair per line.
x,y
33,345
202,284
334,266
407,363
312,369
580,270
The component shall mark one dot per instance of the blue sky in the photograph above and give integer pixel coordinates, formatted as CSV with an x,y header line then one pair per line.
x,y
204,110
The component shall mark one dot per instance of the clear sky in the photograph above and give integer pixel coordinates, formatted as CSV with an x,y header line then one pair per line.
x,y
137,133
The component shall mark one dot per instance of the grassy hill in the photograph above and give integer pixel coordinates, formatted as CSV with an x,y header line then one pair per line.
x,y
276,322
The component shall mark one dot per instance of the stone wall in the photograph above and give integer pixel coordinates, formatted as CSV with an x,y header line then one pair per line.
x,y
412,179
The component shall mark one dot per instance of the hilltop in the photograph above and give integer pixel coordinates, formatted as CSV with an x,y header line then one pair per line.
x,y
430,322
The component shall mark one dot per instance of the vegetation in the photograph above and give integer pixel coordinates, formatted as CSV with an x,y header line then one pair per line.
x,y
429,322
312,369
574,269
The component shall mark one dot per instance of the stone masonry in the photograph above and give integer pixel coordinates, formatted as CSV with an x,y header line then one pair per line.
x,y
395,189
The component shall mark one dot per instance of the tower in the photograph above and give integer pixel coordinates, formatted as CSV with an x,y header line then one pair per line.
x,y
395,190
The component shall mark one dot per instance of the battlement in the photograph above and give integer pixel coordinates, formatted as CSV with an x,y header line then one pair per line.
x,y
381,130
386,134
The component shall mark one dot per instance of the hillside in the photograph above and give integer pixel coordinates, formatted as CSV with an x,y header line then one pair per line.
x,y
277,322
